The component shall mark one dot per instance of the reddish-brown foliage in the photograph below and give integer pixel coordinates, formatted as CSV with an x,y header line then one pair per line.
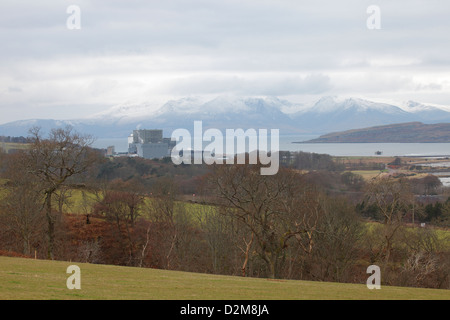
x,y
13,254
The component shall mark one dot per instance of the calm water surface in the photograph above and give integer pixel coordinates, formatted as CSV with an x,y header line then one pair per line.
x,y
334,149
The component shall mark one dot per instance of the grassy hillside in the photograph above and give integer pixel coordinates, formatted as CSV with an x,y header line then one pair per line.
x,y
7,146
41,279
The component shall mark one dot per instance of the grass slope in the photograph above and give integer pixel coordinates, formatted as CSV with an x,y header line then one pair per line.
x,y
44,280
7,146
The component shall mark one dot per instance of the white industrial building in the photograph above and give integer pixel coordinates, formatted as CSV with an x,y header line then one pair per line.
x,y
149,144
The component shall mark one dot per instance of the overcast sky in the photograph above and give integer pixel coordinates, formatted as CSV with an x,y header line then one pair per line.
x,y
151,51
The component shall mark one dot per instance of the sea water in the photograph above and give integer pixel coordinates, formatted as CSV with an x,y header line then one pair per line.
x,y
334,149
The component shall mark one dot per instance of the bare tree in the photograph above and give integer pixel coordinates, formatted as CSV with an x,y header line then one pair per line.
x,y
121,208
89,251
53,161
221,233
265,205
21,206
392,198
162,210
336,241
62,198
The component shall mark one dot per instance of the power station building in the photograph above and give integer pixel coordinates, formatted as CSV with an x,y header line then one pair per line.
x,y
149,144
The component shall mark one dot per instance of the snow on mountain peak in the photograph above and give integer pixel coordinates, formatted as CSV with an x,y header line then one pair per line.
x,y
184,105
328,114
414,107
222,104
127,110
271,106
329,104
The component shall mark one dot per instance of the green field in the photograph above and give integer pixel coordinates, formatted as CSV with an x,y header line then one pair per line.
x,y
22,279
6,146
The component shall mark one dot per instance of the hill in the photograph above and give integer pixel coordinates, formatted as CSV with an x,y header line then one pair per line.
x,y
411,132
328,114
22,278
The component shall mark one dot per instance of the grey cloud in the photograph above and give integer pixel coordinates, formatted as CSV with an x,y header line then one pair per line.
x,y
254,47
260,84
14,89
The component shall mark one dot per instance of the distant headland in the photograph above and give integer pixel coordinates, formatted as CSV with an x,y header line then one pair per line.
x,y
410,132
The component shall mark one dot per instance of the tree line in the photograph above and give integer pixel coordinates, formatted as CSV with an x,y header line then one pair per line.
x,y
10,139
292,225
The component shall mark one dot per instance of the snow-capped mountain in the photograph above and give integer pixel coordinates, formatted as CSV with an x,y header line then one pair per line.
x,y
224,112
413,106
427,112
328,114
335,114
194,106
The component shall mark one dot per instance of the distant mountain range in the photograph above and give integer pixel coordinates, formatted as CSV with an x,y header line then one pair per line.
x,y
329,114
412,132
